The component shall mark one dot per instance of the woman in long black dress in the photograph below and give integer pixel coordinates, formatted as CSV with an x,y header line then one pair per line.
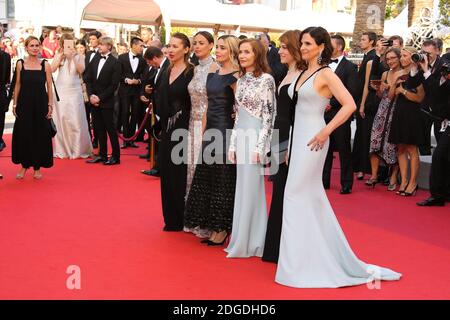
x,y
289,55
406,129
210,202
369,108
32,139
174,113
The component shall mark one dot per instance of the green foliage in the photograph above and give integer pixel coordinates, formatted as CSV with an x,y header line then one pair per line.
x,y
394,7
444,11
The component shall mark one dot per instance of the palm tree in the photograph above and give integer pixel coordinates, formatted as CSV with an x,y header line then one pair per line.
x,y
369,16
414,8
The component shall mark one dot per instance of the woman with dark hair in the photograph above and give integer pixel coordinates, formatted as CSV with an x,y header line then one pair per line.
x,y
81,47
174,114
210,202
380,148
289,55
314,252
203,44
32,107
249,145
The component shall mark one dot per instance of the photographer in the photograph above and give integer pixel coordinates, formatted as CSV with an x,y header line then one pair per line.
x,y
429,64
440,166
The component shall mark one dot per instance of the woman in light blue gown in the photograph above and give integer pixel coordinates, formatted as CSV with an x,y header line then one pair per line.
x,y
314,252
249,146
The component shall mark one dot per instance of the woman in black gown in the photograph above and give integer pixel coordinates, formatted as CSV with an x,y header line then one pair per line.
x,y
290,55
174,113
210,202
32,139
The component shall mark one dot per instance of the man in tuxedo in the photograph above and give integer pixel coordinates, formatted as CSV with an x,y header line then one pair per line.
x,y
102,79
146,35
90,54
151,80
440,165
5,78
131,113
278,70
430,67
361,163
340,138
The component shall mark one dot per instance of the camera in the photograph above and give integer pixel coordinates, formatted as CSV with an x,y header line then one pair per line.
x,y
445,69
418,57
388,43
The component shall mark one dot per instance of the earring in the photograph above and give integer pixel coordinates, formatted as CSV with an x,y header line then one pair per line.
x,y
319,59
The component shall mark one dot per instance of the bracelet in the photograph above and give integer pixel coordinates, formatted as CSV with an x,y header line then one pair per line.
x,y
405,92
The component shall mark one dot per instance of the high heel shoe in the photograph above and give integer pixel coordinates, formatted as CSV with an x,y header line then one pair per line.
x,y
37,176
401,192
20,176
371,183
413,193
392,187
212,243
360,176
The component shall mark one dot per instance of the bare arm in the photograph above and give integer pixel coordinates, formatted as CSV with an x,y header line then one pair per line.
x,y
16,87
412,96
56,62
79,63
366,89
48,76
335,86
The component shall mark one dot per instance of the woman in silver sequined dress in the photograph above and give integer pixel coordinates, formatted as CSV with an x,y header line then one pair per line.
x,y
203,44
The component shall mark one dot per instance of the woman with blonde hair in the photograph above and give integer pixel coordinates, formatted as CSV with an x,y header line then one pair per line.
x,y
32,107
406,129
72,139
210,202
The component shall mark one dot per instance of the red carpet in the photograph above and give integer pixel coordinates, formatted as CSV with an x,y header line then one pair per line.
x,y
108,221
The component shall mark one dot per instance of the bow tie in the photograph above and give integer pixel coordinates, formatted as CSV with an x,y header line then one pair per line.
x,y
334,60
134,57
103,57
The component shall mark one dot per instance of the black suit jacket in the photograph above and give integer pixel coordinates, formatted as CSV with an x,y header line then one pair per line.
x,y
348,73
5,78
127,72
156,95
430,86
108,80
278,70
147,78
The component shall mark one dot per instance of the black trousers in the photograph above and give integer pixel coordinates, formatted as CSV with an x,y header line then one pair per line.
x,y
440,167
427,122
103,121
361,144
2,123
130,110
340,140
90,121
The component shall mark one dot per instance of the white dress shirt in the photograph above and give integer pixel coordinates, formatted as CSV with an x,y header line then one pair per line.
x,y
333,65
92,55
102,63
134,61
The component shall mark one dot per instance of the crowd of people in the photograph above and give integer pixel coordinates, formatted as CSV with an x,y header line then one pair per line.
x,y
223,121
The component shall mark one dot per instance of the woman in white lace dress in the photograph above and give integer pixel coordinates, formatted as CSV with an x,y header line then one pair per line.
x,y
72,139
249,146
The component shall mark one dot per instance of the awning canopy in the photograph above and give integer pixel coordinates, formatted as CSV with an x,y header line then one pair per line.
x,y
123,11
212,14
